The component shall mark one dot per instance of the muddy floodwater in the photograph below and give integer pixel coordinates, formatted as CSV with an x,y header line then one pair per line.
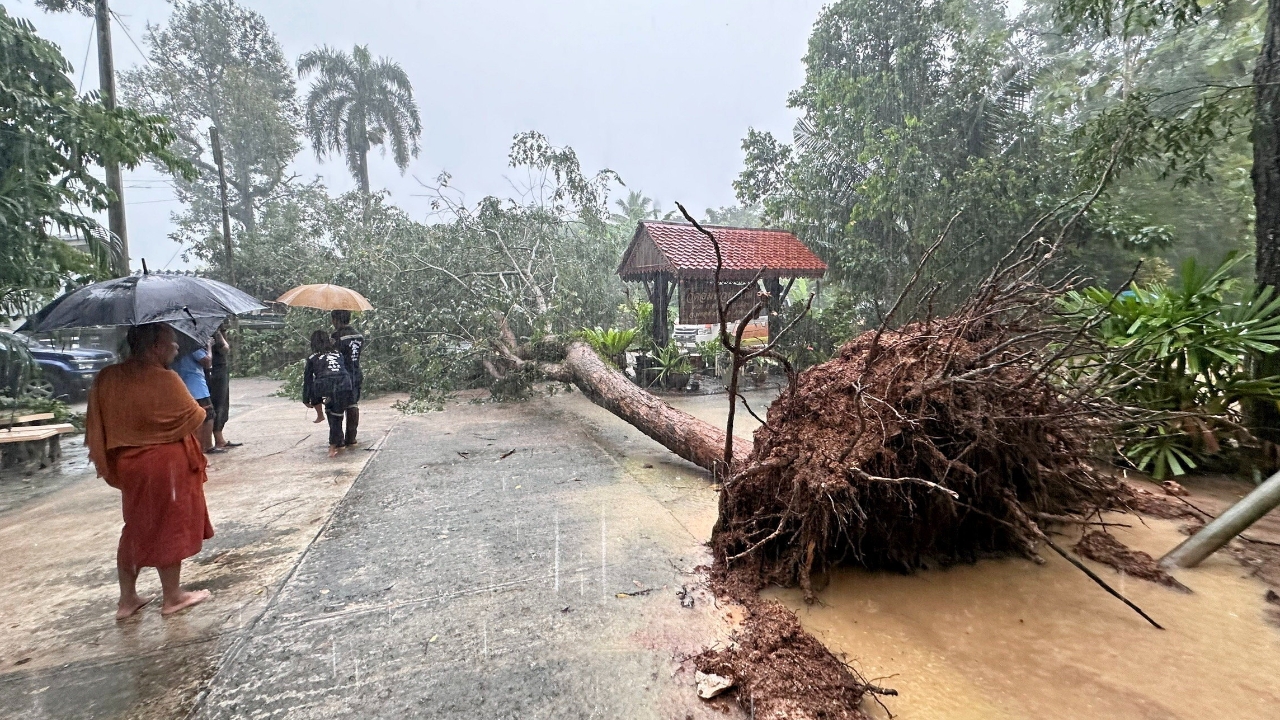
x,y
1011,639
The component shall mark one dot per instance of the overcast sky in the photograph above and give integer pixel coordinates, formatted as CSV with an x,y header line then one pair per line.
x,y
660,91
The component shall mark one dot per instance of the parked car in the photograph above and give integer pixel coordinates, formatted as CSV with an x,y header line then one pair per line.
x,y
18,369
65,372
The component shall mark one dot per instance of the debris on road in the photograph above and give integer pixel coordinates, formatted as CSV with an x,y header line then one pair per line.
x,y
710,685
783,673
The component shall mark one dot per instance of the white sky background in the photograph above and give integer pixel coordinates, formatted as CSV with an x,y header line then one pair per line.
x,y
661,92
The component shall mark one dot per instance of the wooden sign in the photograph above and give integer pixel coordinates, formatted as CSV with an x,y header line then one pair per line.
x,y
698,302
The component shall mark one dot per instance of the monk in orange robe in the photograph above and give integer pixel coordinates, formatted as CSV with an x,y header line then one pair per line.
x,y
140,429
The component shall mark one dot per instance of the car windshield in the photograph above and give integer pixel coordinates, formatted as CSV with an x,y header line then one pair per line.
x,y
26,340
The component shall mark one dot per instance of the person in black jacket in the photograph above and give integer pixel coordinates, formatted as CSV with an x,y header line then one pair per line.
x,y
327,381
350,342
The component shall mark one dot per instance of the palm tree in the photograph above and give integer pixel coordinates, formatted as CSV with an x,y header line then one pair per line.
x,y
357,103
636,207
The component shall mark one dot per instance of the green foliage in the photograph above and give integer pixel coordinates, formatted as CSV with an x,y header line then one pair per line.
x,y
671,361
709,350
1181,350
609,343
915,116
643,313
52,143
832,321
31,404
439,288
1161,91
356,104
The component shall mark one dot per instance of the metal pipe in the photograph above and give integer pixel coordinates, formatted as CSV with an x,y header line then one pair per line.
x,y
1220,531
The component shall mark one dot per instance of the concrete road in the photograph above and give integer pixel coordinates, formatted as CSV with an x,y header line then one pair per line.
x,y
520,560
61,653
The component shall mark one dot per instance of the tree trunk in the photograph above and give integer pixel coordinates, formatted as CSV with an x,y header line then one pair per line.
x,y
1266,151
699,442
364,171
1266,188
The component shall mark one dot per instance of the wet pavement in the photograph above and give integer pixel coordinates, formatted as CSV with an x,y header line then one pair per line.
x,y
488,561
61,653
500,565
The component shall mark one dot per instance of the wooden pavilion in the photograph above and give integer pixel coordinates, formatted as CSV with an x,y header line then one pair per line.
x,y
669,256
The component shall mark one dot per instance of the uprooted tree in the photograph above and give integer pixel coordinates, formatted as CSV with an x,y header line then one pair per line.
x,y
938,441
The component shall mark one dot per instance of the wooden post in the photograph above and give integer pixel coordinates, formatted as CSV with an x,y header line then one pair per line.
x,y
773,286
216,144
661,299
107,86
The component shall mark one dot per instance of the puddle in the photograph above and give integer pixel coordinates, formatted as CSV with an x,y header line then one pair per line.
x,y
1007,639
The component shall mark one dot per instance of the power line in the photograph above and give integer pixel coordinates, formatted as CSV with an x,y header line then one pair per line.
x,y
125,28
171,258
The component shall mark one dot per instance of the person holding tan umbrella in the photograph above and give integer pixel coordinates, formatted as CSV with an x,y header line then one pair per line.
x,y
340,302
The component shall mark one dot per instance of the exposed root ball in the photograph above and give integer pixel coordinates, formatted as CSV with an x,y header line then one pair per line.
x,y
1104,548
936,443
783,672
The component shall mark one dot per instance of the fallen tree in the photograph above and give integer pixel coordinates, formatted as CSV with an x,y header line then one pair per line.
x,y
935,443
699,442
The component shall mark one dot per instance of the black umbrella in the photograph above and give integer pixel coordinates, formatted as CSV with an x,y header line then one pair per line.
x,y
194,333
142,299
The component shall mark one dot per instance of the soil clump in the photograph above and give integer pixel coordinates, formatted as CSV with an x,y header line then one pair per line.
x,y
1106,549
781,672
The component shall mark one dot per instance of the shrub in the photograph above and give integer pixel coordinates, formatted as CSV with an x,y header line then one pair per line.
x,y
1180,352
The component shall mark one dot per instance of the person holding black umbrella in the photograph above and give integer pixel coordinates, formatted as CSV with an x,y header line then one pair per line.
x,y
140,428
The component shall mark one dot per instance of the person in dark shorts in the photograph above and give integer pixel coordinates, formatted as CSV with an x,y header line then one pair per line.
x,y
326,382
220,387
350,343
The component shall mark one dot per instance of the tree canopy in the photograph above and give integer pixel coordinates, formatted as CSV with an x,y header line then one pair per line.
x,y
52,141
218,63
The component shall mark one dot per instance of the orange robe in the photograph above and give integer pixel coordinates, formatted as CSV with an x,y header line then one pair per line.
x,y
140,428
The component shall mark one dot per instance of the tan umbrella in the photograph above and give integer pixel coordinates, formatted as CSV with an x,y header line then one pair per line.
x,y
325,297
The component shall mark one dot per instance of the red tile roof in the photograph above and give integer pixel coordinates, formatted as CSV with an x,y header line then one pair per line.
x,y
685,252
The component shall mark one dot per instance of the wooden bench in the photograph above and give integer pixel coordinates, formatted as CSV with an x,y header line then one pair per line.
x,y
36,419
38,445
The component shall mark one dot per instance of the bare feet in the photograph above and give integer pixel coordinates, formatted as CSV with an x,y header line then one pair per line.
x,y
319,417
126,608
333,450
186,599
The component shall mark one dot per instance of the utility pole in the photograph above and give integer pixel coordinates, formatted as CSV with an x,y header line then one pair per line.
x,y
107,84
222,192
